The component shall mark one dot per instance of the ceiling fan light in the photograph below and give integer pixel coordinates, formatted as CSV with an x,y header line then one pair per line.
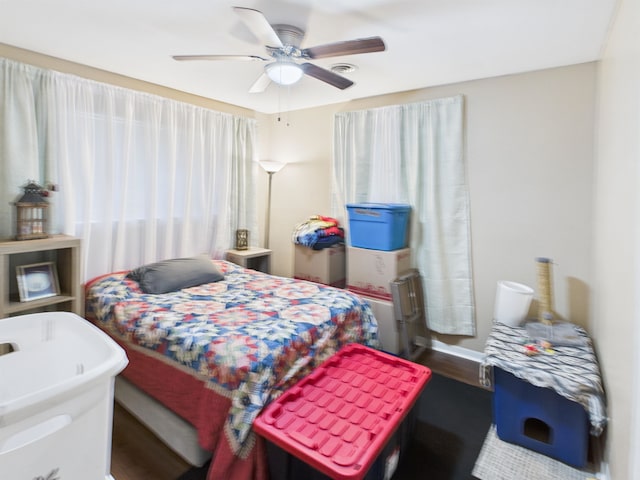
x,y
284,73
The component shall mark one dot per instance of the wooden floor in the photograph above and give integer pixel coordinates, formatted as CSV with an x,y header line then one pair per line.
x,y
138,455
461,369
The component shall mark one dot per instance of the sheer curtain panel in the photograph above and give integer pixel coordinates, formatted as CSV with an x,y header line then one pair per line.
x,y
414,154
141,178
20,156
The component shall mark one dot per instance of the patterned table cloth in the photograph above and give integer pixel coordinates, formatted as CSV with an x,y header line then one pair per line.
x,y
570,370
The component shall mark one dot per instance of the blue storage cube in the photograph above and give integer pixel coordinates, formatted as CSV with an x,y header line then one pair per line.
x,y
540,419
378,226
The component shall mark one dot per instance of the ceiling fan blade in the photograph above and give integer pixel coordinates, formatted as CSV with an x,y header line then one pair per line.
x,y
350,47
261,84
259,26
247,58
326,76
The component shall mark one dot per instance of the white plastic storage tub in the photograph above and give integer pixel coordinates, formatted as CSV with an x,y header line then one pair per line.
x,y
57,374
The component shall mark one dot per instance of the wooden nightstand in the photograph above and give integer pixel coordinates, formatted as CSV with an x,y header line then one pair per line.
x,y
254,258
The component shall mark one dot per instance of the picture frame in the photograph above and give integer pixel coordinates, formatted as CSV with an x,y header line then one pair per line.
x,y
38,280
242,239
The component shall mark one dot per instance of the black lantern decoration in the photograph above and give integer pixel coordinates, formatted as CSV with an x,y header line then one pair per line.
x,y
242,239
32,211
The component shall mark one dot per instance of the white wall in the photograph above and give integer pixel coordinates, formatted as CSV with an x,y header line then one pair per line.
x,y
616,311
301,189
530,161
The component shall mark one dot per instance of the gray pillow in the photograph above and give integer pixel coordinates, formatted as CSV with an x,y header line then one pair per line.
x,y
176,274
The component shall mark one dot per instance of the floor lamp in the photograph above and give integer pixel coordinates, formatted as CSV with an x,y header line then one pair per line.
x,y
270,167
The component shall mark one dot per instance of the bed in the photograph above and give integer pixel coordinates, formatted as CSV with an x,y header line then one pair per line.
x,y
216,353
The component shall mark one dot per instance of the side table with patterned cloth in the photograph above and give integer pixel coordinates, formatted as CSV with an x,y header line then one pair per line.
x,y
571,371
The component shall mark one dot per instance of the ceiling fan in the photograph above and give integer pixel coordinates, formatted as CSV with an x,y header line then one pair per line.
x,y
283,46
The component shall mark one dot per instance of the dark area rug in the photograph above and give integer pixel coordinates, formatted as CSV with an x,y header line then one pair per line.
x,y
196,473
453,420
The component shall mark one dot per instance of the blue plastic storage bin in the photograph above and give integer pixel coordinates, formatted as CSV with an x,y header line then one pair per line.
x,y
540,419
378,226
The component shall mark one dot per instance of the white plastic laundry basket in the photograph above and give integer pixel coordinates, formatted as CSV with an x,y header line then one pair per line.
x,y
56,397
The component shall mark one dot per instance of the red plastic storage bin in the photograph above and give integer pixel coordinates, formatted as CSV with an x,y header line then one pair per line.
x,y
348,420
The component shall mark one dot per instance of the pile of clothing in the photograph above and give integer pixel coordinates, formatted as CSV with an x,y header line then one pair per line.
x,y
318,232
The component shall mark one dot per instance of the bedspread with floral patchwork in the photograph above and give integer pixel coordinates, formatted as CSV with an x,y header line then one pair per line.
x,y
249,336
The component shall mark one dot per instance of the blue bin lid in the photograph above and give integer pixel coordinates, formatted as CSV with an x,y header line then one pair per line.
x,y
386,206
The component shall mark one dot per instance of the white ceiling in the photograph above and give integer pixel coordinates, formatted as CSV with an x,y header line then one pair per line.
x,y
429,42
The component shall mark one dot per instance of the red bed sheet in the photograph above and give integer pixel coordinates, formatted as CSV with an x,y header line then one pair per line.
x,y
188,396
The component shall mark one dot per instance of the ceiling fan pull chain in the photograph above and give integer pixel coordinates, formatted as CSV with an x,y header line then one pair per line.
x,y
279,103
289,109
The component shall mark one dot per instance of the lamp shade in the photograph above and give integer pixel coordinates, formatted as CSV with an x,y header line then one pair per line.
x,y
283,72
271,166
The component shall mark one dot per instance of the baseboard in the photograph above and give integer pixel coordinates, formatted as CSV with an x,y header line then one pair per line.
x,y
600,463
603,474
457,351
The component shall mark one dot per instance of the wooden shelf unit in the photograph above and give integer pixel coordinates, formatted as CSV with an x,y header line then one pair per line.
x,y
62,250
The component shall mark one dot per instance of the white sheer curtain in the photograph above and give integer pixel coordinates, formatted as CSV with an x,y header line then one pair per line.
x,y
414,154
19,128
141,178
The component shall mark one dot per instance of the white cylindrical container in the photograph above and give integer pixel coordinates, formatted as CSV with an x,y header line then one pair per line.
x,y
512,303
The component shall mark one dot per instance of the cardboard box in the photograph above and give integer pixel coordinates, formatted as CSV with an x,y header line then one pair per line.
x,y
369,272
326,266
